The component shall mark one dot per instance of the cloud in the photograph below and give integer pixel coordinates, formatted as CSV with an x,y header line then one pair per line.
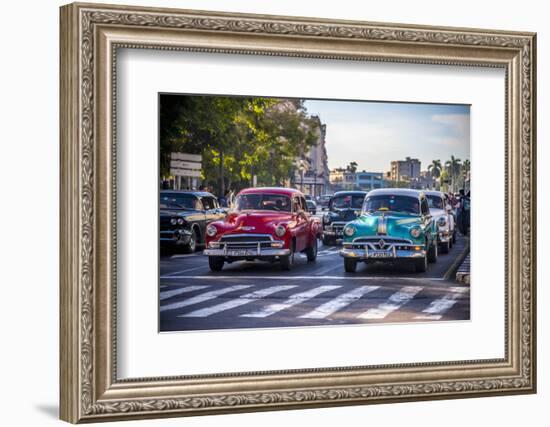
x,y
456,125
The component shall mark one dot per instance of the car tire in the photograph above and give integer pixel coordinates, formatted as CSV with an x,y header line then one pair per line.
x,y
445,247
215,263
287,261
191,247
451,243
454,236
432,253
350,265
311,252
421,265
329,241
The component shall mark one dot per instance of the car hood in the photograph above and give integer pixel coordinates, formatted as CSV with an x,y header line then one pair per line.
x,y
385,225
256,221
176,212
343,214
437,212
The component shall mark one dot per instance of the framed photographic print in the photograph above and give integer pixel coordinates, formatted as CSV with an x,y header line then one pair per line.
x,y
265,212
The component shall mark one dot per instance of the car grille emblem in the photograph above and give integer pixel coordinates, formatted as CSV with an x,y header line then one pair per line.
x,y
381,244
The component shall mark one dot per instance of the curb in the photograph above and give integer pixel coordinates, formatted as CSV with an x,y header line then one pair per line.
x,y
463,272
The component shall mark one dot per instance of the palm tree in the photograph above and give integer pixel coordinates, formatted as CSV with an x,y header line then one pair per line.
x,y
453,166
435,168
352,167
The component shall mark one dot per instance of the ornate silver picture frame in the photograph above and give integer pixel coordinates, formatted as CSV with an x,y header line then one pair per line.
x,y
90,387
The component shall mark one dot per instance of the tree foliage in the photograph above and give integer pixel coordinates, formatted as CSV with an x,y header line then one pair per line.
x,y
238,137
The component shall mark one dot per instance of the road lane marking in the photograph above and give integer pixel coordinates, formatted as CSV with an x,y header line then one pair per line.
x,y
439,306
184,271
202,297
172,293
338,303
290,301
393,303
283,277
241,300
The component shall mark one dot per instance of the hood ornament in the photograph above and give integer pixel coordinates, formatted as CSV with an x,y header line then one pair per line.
x,y
248,228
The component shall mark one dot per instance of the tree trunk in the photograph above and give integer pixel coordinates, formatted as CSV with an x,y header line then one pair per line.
x,y
222,182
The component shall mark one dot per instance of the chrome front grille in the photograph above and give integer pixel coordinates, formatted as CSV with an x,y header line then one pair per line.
x,y
381,243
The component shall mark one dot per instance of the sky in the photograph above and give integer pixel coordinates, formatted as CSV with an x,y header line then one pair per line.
x,y
375,133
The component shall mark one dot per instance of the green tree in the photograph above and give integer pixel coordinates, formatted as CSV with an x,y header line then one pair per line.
x,y
435,169
453,167
352,167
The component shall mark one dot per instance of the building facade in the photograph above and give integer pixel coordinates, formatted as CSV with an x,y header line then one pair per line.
x,y
405,170
369,180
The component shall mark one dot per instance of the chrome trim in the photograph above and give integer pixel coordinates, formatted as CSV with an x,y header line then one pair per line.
x,y
261,253
248,235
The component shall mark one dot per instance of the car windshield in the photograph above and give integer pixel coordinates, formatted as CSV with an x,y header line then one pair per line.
x,y
347,202
435,202
392,203
178,201
263,202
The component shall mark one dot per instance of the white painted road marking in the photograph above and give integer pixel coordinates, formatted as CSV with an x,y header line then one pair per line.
x,y
242,300
172,293
202,297
338,303
292,300
184,271
439,306
394,302
283,277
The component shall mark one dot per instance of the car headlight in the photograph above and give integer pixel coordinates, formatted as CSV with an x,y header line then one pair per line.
x,y
326,219
442,221
211,230
180,221
280,230
349,230
173,221
415,232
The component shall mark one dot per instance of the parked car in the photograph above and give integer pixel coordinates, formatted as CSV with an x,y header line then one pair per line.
x,y
395,224
267,224
311,207
343,207
441,211
184,216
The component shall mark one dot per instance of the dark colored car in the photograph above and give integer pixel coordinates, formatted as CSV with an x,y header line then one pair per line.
x,y
184,216
463,215
311,207
324,200
343,207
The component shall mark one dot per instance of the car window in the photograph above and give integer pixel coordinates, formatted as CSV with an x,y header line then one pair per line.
x,y
272,202
392,203
208,203
177,201
435,202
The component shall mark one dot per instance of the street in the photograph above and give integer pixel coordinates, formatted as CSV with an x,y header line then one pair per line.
x,y
260,295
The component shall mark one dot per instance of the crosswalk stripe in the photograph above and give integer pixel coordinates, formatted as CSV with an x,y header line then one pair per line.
x,y
338,303
172,293
242,300
202,297
439,306
394,302
292,300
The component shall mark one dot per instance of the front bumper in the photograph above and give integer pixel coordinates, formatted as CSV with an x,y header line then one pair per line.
x,y
364,252
248,249
247,253
444,236
175,237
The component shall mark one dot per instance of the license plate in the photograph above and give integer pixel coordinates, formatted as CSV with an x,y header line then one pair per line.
x,y
241,252
380,254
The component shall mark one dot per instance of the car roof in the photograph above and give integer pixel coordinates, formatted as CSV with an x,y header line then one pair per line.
x,y
191,192
272,190
396,192
350,192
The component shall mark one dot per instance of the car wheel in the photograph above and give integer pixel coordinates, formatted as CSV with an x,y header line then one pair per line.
x,y
432,253
421,265
328,241
451,243
215,263
191,247
311,252
287,260
454,235
350,265
445,247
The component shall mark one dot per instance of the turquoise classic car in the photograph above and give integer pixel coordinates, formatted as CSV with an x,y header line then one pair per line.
x,y
395,224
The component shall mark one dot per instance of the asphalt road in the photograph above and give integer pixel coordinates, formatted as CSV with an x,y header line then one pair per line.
x,y
260,295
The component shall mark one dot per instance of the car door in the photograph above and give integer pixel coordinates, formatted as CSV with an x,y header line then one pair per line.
x,y
426,217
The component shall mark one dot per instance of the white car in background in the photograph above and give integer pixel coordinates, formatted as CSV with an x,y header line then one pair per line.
x,y
441,212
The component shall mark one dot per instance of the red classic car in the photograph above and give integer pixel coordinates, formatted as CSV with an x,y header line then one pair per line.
x,y
265,223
